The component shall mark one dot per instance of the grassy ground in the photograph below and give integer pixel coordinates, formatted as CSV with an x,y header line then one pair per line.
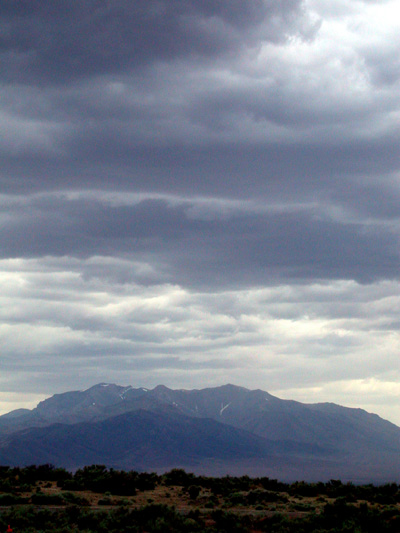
x,y
202,504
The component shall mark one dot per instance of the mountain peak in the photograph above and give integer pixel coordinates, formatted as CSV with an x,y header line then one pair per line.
x,y
231,386
100,386
161,388
323,439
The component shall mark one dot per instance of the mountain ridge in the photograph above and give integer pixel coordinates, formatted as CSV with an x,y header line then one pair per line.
x,y
326,437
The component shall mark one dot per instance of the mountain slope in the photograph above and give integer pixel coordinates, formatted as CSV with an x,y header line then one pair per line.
x,y
310,439
140,440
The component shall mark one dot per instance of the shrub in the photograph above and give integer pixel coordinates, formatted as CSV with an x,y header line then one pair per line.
x,y
12,499
194,491
47,499
178,476
74,499
105,501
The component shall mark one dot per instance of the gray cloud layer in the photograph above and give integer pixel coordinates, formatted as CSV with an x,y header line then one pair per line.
x,y
203,245
67,41
203,151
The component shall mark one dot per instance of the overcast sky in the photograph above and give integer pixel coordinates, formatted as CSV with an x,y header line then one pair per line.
x,y
197,192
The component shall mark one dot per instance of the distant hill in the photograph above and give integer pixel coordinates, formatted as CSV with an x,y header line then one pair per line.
x,y
220,430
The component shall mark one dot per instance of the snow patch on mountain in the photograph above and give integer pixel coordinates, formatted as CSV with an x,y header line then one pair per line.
x,y
223,407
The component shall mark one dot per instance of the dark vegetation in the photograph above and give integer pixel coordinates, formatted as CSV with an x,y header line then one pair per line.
x,y
96,499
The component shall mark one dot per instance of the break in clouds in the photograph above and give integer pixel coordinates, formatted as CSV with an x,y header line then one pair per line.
x,y
201,192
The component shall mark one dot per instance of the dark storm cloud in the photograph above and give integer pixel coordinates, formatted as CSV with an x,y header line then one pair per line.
x,y
206,248
346,174
64,40
80,110
180,126
197,99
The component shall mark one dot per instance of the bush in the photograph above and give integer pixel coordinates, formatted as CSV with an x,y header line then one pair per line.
x,y
194,491
12,499
105,501
178,476
47,499
74,499
237,498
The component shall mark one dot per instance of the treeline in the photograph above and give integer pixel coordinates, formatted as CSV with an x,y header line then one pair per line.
x,y
95,478
99,478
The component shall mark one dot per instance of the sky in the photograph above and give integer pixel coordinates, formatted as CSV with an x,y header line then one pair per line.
x,y
201,192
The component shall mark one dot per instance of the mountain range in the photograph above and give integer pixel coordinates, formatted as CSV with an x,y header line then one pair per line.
x,y
212,431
